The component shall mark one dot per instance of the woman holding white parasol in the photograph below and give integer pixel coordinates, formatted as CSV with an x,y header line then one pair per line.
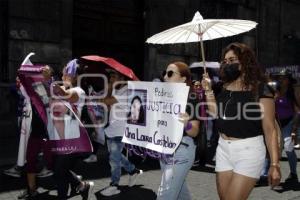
x,y
198,30
245,116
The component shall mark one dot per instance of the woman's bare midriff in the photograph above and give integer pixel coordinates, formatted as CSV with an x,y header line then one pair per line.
x,y
228,138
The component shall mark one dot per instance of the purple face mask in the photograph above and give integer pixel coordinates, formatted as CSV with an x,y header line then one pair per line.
x,y
71,68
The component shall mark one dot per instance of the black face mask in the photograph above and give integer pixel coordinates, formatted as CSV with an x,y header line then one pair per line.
x,y
230,72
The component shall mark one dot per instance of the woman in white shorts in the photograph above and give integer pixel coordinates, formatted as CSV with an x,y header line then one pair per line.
x,y
245,115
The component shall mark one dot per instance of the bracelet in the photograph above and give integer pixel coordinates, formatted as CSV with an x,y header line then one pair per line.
x,y
209,94
49,82
274,164
188,126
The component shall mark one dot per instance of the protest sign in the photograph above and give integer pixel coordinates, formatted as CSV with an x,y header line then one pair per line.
x,y
153,115
75,137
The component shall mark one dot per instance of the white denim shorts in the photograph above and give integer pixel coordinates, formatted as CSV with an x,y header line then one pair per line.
x,y
244,156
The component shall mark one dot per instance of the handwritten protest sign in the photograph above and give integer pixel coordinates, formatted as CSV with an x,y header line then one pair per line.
x,y
153,115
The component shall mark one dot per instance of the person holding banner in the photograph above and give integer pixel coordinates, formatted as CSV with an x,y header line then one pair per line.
x,y
173,184
37,142
33,127
64,126
245,114
114,132
24,109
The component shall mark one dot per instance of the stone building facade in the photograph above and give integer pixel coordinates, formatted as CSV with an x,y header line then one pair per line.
x,y
276,40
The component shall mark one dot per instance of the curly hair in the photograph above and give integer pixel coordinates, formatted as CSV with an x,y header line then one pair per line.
x,y
252,73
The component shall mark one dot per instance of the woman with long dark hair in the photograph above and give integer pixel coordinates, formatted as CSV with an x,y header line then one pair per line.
x,y
245,112
287,112
136,113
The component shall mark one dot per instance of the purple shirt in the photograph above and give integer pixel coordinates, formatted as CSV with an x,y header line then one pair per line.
x,y
284,108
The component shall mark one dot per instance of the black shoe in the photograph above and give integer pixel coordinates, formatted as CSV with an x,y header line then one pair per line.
x,y
292,178
28,195
33,196
74,188
87,191
74,191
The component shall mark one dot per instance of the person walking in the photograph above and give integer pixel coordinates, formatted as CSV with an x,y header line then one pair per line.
x,y
175,169
117,103
286,109
245,114
62,126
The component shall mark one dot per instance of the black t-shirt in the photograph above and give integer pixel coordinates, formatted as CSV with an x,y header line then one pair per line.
x,y
239,114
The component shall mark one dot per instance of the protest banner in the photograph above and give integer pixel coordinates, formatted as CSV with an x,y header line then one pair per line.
x,y
153,115
294,69
75,138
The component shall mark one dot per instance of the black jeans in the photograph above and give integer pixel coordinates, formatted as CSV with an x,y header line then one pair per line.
x,y
63,175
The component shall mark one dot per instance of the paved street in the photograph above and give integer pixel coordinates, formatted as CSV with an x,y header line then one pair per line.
x,y
201,182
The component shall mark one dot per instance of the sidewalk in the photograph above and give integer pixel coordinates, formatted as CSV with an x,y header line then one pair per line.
x,y
201,182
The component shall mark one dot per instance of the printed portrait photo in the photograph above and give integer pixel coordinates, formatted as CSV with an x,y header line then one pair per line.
x,y
137,107
62,124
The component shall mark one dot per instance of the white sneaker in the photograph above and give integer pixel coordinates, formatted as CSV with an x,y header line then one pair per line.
x,y
196,163
297,146
133,177
92,158
15,171
110,190
44,173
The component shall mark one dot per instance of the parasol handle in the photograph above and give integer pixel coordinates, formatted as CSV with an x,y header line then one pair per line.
x,y
202,54
202,48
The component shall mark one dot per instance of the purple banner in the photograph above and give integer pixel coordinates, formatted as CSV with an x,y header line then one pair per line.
x,y
38,90
76,145
28,79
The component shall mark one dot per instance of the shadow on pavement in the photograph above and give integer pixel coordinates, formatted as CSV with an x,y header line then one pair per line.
x,y
97,170
133,193
46,196
101,169
9,183
284,187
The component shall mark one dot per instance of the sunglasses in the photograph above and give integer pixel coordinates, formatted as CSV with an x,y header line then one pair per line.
x,y
169,73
